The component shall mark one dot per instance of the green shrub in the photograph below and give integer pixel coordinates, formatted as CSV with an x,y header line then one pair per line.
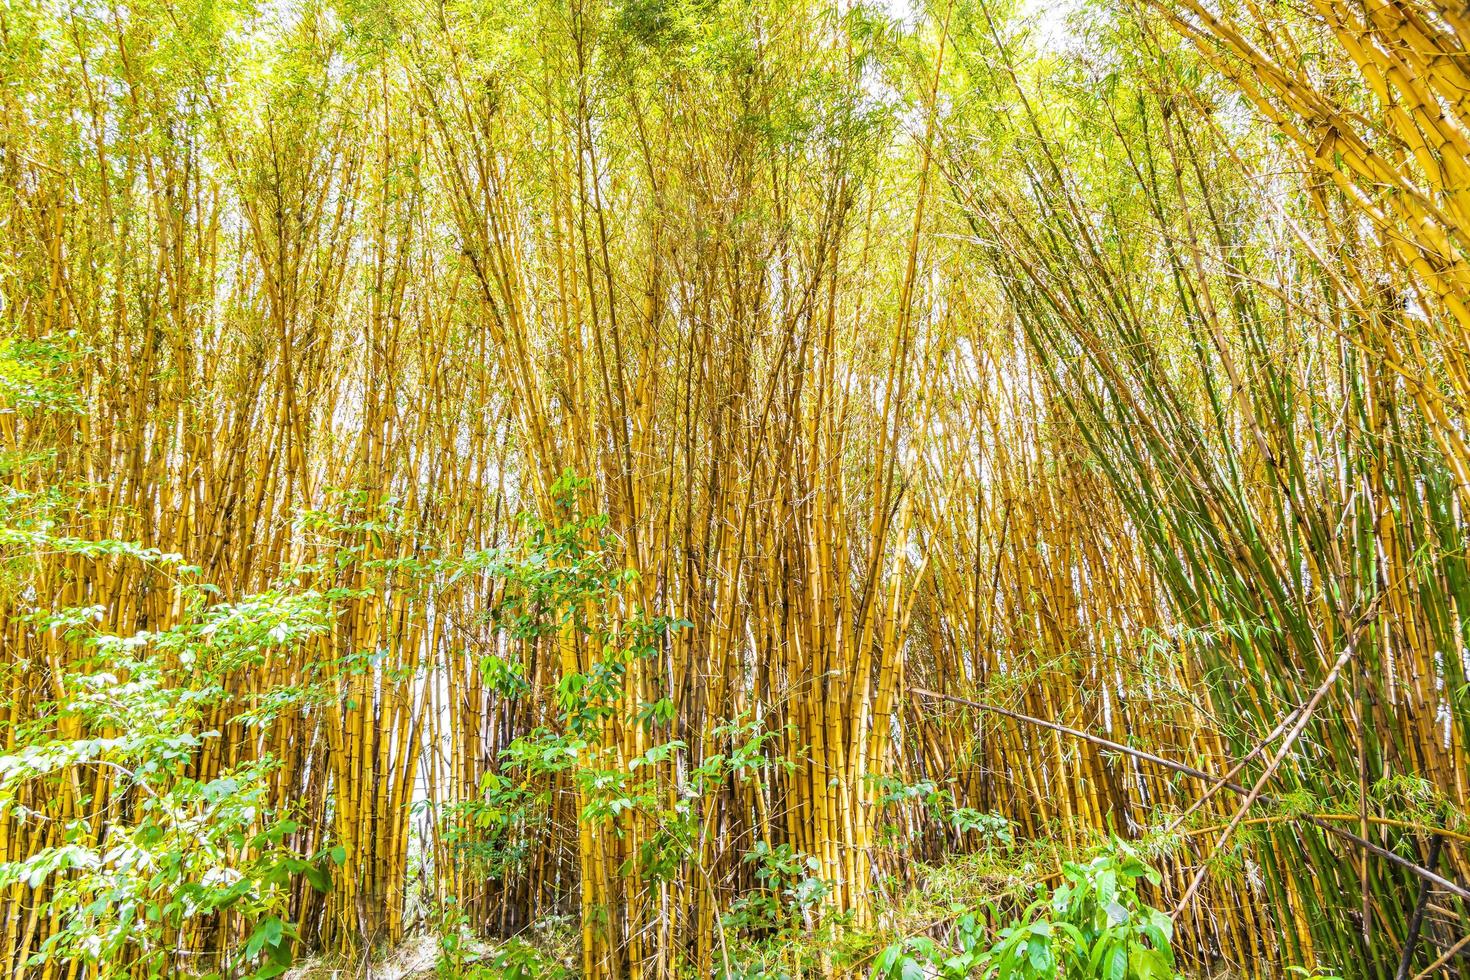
x,y
1093,927
171,853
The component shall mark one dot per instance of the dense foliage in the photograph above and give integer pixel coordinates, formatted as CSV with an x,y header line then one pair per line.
x,y
734,488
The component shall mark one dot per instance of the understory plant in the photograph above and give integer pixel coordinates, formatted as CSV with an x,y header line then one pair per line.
x,y
556,585
1092,927
141,882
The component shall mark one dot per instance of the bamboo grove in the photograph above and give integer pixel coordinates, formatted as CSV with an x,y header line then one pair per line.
x,y
916,363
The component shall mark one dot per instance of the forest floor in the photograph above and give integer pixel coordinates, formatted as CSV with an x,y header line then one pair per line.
x,y
935,892
414,958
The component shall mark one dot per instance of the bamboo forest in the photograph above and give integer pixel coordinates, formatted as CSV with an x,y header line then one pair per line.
x,y
734,489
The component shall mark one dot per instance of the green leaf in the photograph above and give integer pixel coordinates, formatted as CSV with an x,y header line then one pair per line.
x,y
1039,952
318,878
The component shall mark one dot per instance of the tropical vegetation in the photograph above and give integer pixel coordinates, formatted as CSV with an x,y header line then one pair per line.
x,y
734,488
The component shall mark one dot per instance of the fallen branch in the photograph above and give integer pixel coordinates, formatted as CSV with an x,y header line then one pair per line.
x,y
1255,791
1448,955
1179,767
